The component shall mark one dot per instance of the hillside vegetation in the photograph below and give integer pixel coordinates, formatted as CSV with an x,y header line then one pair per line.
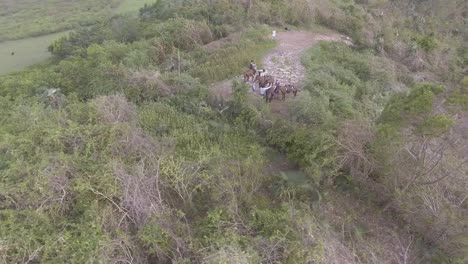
x,y
117,151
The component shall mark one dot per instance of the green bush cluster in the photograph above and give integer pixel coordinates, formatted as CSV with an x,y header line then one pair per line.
x,y
427,43
459,97
405,107
346,17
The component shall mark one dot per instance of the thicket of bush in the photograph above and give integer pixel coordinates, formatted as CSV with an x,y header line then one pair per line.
x,y
107,154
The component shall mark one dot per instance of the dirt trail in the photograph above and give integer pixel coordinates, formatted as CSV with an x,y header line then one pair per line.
x,y
284,62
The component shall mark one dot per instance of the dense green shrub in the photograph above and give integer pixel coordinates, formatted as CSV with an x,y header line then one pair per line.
x,y
435,125
345,17
80,39
459,97
419,101
427,43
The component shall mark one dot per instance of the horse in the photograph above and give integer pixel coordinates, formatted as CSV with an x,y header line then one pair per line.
x,y
290,88
269,94
263,82
249,73
280,89
283,89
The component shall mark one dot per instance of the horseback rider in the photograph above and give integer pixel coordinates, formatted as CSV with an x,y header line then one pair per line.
x,y
253,66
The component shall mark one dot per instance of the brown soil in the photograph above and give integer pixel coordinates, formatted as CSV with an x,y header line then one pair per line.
x,y
284,62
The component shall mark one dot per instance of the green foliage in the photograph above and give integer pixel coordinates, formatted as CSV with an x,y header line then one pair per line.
x,y
124,29
419,101
154,238
160,173
158,10
220,14
270,222
138,58
311,109
426,42
78,40
230,60
22,231
51,212
387,140
180,33
346,17
311,147
411,110
92,75
240,92
459,97
435,126
342,83
215,231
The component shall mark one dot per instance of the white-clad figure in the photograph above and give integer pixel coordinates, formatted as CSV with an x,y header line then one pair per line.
x,y
273,34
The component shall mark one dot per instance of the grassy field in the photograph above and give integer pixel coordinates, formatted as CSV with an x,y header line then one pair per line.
x,y
26,26
28,18
27,51
132,6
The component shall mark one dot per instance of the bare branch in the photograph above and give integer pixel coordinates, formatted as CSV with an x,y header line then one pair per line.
x,y
109,199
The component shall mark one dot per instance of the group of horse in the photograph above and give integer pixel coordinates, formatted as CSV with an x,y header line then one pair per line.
x,y
273,88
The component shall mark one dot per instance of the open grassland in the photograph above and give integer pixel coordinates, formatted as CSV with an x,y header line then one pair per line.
x,y
27,26
27,18
26,52
132,6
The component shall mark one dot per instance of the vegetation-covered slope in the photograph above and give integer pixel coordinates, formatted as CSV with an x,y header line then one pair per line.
x,y
130,161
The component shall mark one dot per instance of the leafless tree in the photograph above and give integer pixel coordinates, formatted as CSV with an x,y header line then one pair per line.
x,y
353,140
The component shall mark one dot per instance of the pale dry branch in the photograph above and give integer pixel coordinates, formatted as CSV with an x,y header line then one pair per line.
x,y
114,109
110,200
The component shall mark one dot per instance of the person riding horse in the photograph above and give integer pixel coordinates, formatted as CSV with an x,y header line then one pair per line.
x,y
253,66
250,73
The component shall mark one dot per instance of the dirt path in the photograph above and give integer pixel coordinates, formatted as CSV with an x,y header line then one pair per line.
x,y
284,62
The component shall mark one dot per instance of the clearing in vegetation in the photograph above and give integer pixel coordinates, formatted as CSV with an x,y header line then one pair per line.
x,y
26,27
15,55
28,18
132,6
